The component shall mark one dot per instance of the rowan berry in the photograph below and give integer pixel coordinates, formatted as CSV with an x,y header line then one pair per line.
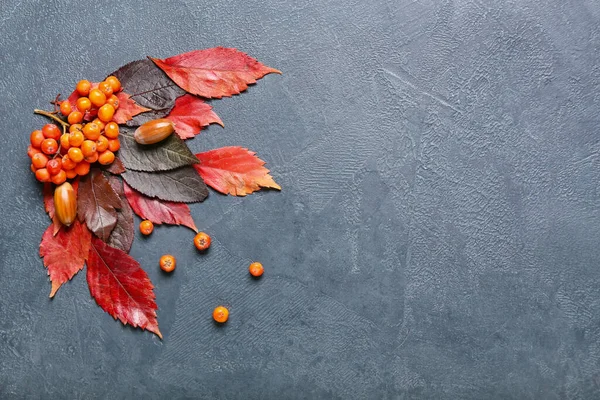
x,y
101,144
92,158
97,97
221,314
49,146
106,112
36,138
54,166
39,160
64,141
59,178
67,163
76,138
42,175
106,157
75,117
111,130
99,123
51,131
202,241
31,151
83,168
113,101
167,263
105,88
256,269
71,173
75,127
91,131
88,147
114,83
146,227
75,154
65,108
84,104
83,87
114,145
32,168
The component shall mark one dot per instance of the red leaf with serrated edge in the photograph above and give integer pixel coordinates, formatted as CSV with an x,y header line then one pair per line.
x,y
121,287
159,211
214,73
190,114
127,108
65,253
49,203
234,170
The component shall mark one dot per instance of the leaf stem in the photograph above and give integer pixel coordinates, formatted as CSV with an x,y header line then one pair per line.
x,y
54,117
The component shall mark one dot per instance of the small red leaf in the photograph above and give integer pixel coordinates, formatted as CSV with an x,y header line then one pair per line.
x,y
190,114
121,287
234,170
214,73
65,253
159,211
97,203
127,108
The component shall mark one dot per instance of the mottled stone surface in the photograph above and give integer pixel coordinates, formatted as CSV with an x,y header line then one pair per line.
x,y
438,231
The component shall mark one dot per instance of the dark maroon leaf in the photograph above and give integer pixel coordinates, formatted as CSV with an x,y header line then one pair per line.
x,y
149,87
168,154
116,168
181,185
97,203
122,235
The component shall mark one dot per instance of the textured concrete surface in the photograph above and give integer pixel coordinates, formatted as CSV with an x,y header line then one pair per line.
x,y
436,237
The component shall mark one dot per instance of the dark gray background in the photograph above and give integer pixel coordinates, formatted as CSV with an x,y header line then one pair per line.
x,y
438,231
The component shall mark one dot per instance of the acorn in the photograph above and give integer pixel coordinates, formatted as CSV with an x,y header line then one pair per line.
x,y
65,203
154,131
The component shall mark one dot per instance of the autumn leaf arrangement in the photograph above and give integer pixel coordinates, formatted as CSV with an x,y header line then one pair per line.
x,y
117,148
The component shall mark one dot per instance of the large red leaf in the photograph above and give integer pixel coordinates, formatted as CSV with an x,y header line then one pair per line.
x,y
214,73
128,108
121,287
234,170
190,115
97,203
159,211
65,253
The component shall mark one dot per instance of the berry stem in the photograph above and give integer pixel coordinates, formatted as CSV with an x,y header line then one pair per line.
x,y
51,116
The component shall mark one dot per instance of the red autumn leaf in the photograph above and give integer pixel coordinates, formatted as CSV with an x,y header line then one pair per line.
x,y
159,211
214,73
128,108
121,287
234,170
190,114
97,203
65,252
49,203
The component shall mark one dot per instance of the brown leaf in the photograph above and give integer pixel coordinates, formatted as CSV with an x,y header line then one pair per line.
x,y
180,185
122,235
116,167
97,203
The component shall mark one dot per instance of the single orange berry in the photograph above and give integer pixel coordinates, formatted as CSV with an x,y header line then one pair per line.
x,y
88,147
75,117
32,168
99,123
114,145
59,178
65,108
84,104
101,143
202,241
36,138
106,157
113,101
76,138
54,166
146,227
91,131
75,154
92,158
256,269
114,83
106,112
42,175
83,87
31,151
64,141
75,127
167,263
51,131
83,168
49,146
111,130
105,88
221,314
97,97
67,163
39,160
71,173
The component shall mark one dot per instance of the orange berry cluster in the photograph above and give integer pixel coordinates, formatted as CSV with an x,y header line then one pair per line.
x,y
57,156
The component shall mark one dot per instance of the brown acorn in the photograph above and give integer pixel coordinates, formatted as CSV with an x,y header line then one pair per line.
x,y
65,203
154,131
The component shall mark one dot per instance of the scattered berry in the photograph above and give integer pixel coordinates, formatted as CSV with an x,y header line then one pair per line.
x,y
256,269
221,314
202,241
146,227
167,263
